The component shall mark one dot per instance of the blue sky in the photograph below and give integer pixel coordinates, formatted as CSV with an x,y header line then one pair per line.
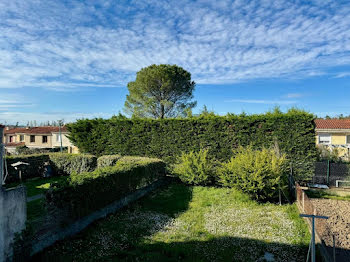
x,y
73,59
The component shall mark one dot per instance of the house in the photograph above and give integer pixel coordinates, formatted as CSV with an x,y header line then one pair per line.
x,y
37,137
334,134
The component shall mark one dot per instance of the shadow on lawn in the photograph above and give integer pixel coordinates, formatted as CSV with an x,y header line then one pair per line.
x,y
124,237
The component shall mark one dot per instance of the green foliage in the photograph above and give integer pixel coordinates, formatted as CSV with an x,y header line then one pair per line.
x,y
108,160
86,192
36,167
160,91
65,164
255,172
61,163
24,150
195,168
168,138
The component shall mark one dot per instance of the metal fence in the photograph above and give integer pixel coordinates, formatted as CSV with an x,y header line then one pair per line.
x,y
329,173
330,249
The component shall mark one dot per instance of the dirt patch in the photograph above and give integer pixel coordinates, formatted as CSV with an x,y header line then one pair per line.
x,y
338,223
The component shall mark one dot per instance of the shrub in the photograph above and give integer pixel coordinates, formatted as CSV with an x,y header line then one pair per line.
x,y
108,160
65,164
35,168
257,173
89,191
168,138
195,168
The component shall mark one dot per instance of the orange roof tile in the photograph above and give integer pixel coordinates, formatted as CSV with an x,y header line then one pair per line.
x,y
332,123
36,130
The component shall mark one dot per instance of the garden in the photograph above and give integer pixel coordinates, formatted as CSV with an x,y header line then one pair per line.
x,y
224,195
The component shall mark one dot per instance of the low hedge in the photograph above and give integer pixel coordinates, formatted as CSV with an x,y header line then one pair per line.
x,y
108,160
36,167
61,163
65,164
90,191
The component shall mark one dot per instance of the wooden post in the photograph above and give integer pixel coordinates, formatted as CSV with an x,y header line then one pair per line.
x,y
303,201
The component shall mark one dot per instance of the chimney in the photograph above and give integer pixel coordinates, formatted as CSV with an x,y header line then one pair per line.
x,y
7,128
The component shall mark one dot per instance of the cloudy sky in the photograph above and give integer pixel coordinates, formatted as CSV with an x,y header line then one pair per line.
x,y
73,59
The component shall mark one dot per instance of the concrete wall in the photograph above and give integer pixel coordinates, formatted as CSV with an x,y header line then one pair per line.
x,y
13,216
65,141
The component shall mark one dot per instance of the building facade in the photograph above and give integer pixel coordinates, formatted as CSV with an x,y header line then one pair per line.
x,y
47,137
334,134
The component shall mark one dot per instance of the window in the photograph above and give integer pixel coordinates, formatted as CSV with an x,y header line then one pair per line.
x,y
348,139
32,139
21,138
324,139
44,139
11,139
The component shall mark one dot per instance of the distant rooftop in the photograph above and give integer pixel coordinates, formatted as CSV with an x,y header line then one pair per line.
x,y
35,130
332,123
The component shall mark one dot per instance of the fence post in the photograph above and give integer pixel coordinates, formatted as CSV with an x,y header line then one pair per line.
x,y
328,172
303,200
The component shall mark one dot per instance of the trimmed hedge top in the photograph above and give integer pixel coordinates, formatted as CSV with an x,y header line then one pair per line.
x,y
167,138
86,192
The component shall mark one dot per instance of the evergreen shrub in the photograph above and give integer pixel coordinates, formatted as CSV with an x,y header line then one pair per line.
x,y
259,173
167,139
84,193
195,168
108,160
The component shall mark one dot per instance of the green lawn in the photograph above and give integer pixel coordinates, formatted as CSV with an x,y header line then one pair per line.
x,y
38,185
328,194
181,223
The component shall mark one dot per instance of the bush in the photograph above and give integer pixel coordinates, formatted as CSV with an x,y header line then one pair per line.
x,y
168,138
24,150
257,173
66,164
195,168
36,167
89,191
108,160
61,163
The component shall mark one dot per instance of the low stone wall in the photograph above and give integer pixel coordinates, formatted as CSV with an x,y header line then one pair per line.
x,y
13,216
49,238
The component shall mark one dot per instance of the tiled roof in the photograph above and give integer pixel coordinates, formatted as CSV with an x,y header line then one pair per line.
x,y
15,144
332,123
36,130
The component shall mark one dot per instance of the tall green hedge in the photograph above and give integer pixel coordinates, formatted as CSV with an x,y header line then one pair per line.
x,y
86,192
167,138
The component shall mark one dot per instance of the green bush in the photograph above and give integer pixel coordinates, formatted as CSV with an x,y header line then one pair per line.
x,y
65,164
36,167
168,138
108,160
255,172
89,191
61,163
195,168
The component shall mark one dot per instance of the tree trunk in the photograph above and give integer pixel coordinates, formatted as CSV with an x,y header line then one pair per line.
x,y
162,111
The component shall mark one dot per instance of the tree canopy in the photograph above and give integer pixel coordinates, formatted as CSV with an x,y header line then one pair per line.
x,y
160,91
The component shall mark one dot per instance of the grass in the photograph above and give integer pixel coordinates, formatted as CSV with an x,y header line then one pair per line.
x,y
328,194
181,223
36,186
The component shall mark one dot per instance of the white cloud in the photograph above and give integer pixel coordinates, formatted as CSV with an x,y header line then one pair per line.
x,y
71,45
267,102
294,95
342,74
24,117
